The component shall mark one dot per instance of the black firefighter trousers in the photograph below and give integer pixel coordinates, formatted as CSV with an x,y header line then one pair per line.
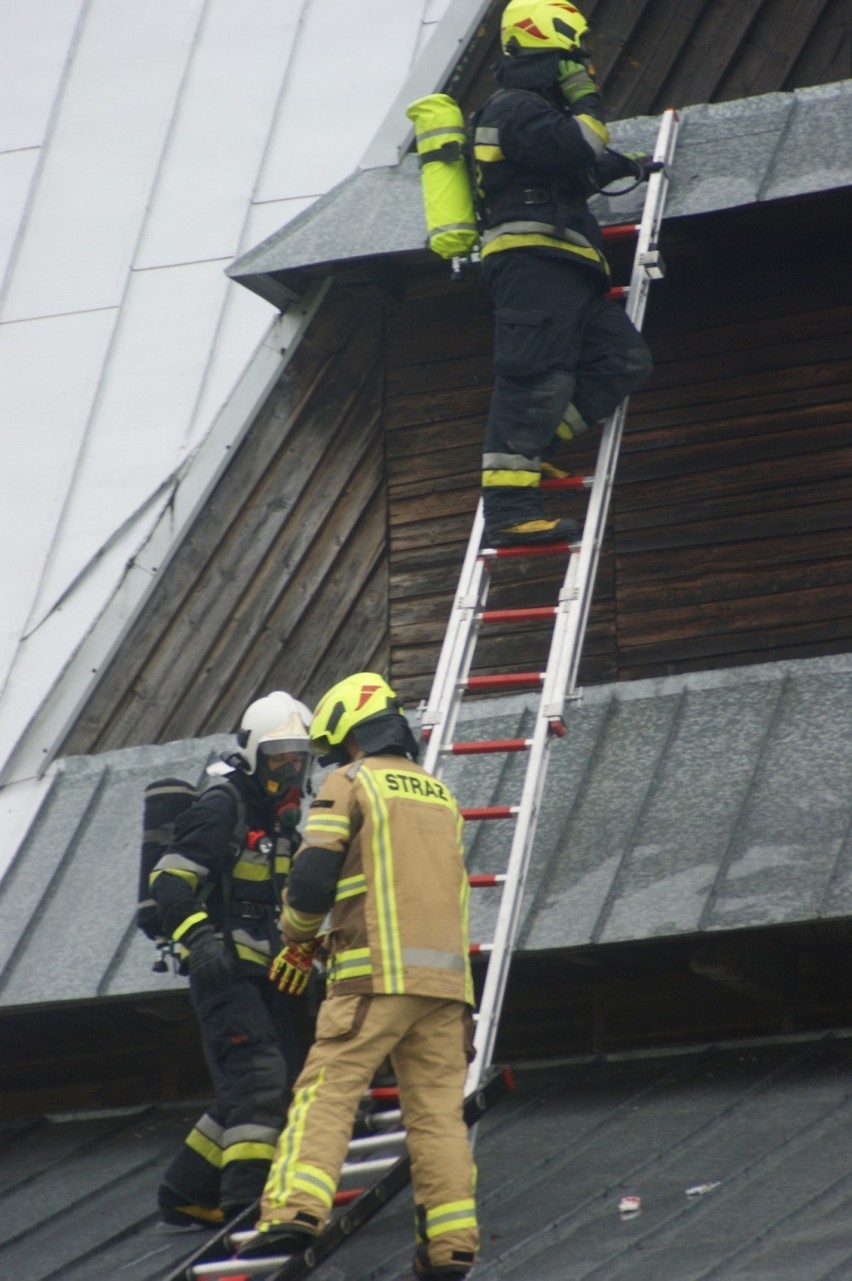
x,y
564,357
250,1047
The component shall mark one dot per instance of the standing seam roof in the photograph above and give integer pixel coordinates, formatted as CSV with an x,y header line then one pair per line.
x,y
712,801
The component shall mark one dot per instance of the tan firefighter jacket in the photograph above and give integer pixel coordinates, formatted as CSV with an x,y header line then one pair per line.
x,y
398,894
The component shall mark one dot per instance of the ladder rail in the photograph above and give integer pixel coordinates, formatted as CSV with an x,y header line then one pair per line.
x,y
576,600
509,911
571,620
457,648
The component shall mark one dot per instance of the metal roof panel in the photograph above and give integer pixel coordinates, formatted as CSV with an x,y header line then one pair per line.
x,y
762,1130
702,802
41,48
728,154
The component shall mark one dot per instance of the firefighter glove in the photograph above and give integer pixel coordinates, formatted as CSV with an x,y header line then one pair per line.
x,y
575,82
291,968
645,164
209,964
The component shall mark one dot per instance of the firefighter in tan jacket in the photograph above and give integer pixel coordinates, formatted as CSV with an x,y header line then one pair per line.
x,y
382,852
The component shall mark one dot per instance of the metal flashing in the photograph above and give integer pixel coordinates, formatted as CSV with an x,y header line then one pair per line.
x,y
729,154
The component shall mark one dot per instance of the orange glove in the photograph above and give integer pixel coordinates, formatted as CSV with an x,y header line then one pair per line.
x,y
291,968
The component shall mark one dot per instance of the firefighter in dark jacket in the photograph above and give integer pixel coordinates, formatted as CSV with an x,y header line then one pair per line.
x,y
383,854
218,889
564,355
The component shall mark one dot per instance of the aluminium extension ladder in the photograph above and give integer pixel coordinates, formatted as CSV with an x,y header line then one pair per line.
x,y
558,682
485,1084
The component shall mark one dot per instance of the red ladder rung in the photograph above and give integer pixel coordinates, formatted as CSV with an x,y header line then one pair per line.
x,y
623,231
349,1194
480,949
382,1092
486,880
520,615
532,549
483,746
617,293
473,813
566,482
505,680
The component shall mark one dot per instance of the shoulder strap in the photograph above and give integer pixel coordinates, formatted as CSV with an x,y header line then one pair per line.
x,y
241,822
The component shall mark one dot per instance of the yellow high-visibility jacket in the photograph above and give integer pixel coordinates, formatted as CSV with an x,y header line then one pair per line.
x,y
382,851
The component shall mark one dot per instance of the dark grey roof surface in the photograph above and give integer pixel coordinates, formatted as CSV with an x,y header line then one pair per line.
x,y
72,889
717,800
712,801
769,1126
728,154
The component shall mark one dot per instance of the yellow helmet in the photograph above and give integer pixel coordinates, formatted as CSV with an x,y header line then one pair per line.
x,y
541,24
365,706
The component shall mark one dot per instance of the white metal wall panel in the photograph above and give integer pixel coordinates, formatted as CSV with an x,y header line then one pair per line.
x,y
220,133
264,220
149,142
102,157
349,62
243,324
433,12
42,428
34,39
16,176
140,428
40,663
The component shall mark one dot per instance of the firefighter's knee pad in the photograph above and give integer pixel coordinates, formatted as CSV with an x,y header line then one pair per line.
x,y
571,425
546,398
639,363
270,1079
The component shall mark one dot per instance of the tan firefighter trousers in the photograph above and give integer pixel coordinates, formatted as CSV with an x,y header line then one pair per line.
x,y
428,1040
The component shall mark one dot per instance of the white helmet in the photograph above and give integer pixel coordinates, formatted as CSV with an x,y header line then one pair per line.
x,y
275,725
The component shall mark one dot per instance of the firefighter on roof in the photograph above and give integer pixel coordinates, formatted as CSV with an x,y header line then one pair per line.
x,y
382,853
218,888
564,356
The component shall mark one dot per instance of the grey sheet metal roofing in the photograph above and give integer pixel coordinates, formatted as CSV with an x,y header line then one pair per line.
x,y
728,154
72,889
711,801
762,1130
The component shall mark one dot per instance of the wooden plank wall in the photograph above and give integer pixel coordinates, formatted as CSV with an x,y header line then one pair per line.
x,y
731,523
283,580
653,54
733,512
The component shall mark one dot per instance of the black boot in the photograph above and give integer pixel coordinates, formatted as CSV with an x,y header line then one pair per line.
x,y
458,1270
182,1213
281,1238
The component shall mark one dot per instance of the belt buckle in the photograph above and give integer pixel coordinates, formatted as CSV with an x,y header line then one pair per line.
x,y
251,911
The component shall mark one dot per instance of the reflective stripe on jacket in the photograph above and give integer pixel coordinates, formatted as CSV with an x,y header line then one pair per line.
x,y
218,870
534,168
399,923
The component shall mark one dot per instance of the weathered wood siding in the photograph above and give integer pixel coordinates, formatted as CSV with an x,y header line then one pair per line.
x,y
653,54
733,512
283,581
731,522
335,540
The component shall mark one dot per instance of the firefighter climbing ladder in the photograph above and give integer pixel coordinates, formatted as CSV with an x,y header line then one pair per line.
x,y
452,680
558,682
